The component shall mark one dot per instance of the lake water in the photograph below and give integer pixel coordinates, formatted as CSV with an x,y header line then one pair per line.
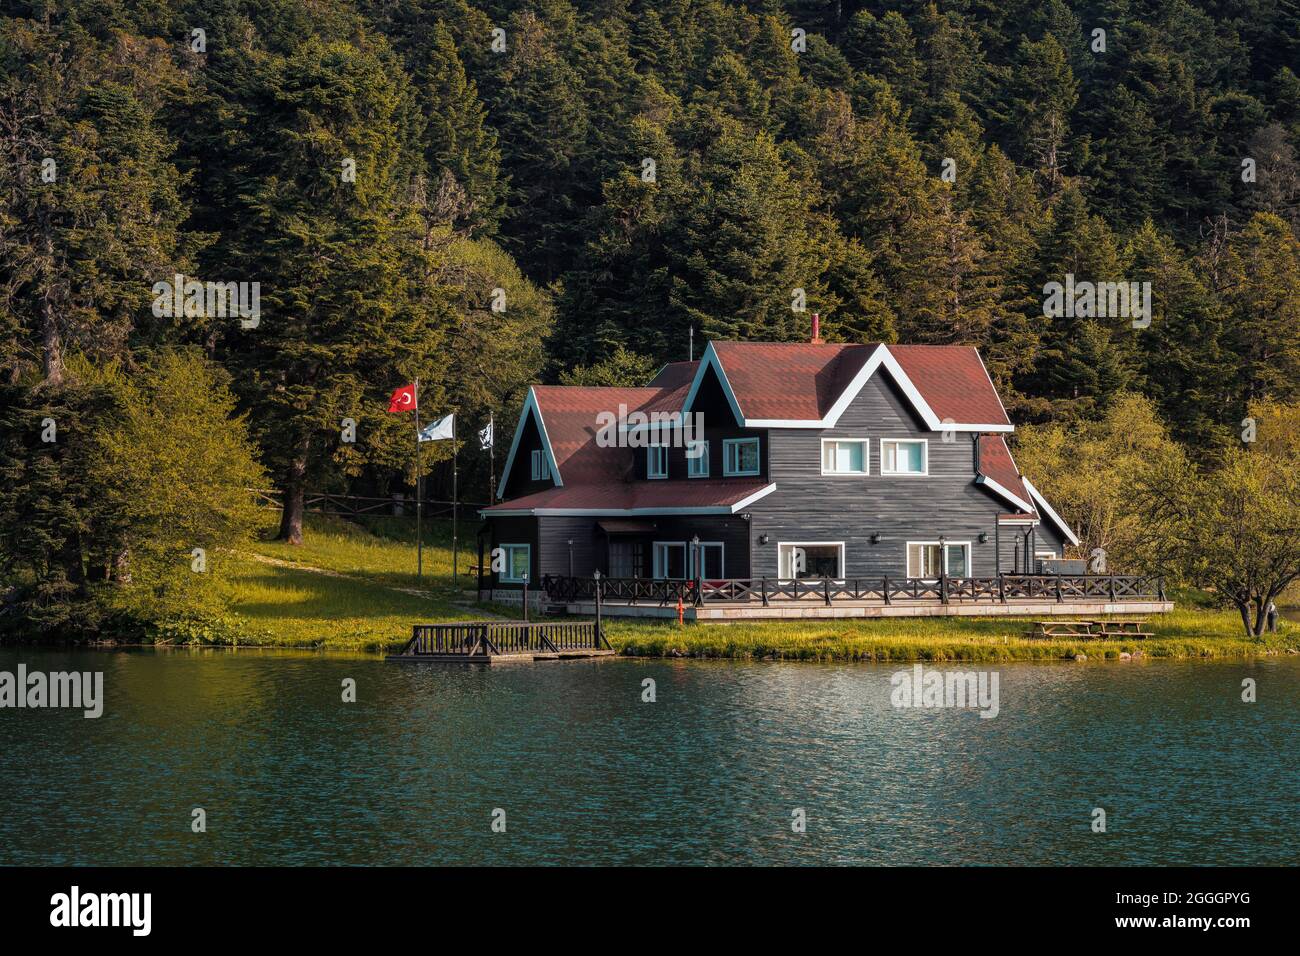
x,y
588,773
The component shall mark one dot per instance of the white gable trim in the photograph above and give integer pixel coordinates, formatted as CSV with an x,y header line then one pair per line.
x,y
630,512
1048,510
881,356
707,360
997,489
530,406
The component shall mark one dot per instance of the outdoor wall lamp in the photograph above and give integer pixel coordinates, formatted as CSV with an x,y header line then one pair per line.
x,y
764,539
984,537
875,537
746,515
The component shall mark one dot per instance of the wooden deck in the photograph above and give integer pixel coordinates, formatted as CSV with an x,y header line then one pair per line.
x,y
489,642
1005,595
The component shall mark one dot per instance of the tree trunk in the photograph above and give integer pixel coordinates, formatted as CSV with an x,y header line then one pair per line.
x,y
294,487
51,347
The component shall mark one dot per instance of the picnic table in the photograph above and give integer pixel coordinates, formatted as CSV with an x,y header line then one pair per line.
x,y
1132,627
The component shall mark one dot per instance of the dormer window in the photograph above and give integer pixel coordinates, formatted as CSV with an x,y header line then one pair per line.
x,y
657,461
541,470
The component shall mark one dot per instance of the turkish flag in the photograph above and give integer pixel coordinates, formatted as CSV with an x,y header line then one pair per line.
x,y
403,399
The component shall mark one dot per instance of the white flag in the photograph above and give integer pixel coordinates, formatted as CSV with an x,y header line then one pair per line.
x,y
485,437
444,427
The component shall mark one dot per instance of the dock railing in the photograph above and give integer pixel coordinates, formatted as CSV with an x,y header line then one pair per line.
x,y
485,638
1056,588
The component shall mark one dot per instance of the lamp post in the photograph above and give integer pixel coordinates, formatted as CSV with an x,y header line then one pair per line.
x,y
570,557
596,577
697,557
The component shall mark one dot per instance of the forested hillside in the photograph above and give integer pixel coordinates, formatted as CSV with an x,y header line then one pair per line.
x,y
483,195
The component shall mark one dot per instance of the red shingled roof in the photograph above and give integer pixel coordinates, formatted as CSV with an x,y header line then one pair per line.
x,y
642,496
789,380
953,381
997,465
570,415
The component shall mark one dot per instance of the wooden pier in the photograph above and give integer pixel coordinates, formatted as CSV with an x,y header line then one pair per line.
x,y
488,642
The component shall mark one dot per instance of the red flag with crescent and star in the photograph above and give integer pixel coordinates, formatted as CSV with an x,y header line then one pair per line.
x,y
403,399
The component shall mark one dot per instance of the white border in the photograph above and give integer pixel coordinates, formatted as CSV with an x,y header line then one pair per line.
x,y
993,486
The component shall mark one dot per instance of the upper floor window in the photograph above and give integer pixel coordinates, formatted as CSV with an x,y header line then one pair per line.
x,y
698,465
904,456
541,466
740,456
657,461
844,456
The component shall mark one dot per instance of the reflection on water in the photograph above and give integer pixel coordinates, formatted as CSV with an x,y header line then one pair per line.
x,y
587,773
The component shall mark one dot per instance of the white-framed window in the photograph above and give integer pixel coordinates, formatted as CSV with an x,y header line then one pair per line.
x,y
1044,555
740,456
697,467
810,559
669,559
904,456
657,461
518,561
713,556
930,559
541,470
845,456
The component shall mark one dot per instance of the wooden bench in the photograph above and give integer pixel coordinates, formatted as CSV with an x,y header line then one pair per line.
x,y
1084,630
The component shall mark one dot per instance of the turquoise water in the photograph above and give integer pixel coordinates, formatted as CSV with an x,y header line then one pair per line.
x,y
588,773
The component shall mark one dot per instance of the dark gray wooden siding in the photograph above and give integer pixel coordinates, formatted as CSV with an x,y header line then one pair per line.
x,y
808,506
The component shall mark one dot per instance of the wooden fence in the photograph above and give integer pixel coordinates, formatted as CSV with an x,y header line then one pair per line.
x,y
354,506
483,638
1061,588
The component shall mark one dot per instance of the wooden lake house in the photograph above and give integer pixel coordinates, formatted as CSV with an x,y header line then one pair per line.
x,y
785,479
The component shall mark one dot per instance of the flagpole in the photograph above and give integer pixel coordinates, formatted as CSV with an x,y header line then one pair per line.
x,y
454,543
492,460
419,493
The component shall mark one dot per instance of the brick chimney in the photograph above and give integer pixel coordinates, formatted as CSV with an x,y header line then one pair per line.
x,y
817,329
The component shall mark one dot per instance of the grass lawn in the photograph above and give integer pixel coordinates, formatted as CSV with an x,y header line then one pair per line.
x,y
362,604
286,600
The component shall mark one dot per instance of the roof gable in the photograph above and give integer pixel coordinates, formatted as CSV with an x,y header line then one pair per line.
x,y
809,385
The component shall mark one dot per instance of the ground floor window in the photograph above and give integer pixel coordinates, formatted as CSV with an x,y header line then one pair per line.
x,y
1044,555
626,558
517,561
811,559
930,559
670,559
712,553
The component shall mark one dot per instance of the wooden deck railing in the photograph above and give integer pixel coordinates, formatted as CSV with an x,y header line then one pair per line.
x,y
1001,588
475,638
